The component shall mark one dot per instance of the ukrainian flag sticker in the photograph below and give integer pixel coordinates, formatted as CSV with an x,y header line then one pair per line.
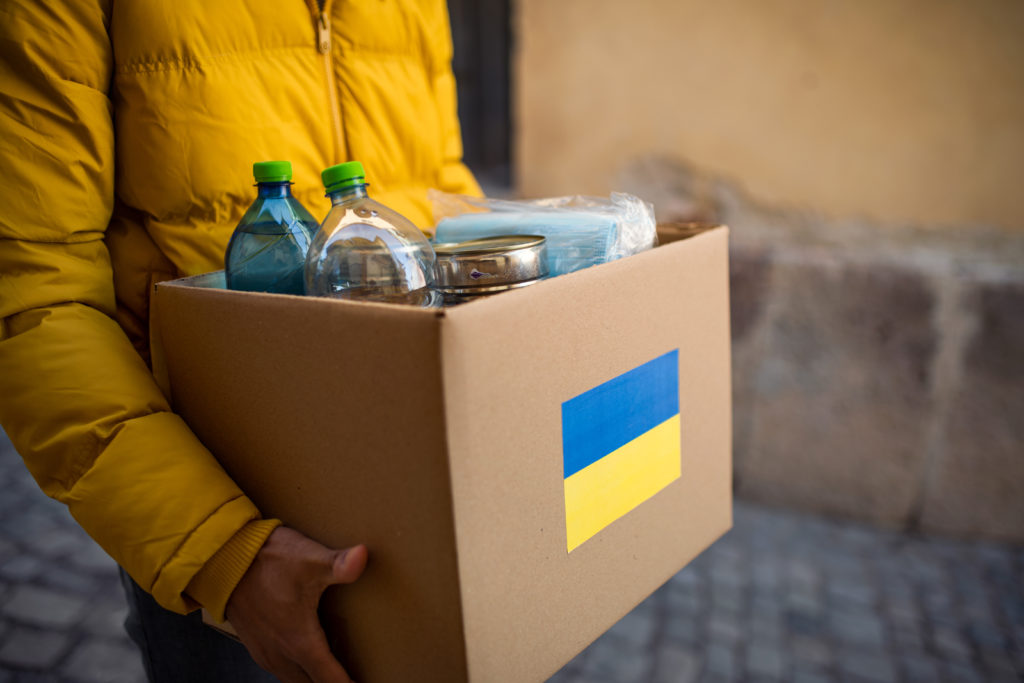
x,y
620,445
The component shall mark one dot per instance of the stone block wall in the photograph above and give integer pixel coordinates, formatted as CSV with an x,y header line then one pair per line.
x,y
878,373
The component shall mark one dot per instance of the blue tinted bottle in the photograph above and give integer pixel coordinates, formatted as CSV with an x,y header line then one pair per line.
x,y
267,252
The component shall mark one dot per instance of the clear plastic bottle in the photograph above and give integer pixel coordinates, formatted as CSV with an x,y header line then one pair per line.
x,y
366,251
267,252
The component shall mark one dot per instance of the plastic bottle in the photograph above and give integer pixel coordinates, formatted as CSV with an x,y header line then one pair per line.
x,y
267,252
366,251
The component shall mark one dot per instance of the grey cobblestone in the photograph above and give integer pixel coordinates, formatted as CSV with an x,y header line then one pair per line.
x,y
32,677
724,628
59,623
951,645
918,668
999,665
812,676
7,549
612,660
92,558
21,568
57,543
811,650
69,581
722,660
43,607
873,666
907,635
766,627
106,619
635,629
683,628
782,597
801,623
729,598
683,601
962,673
858,628
99,660
676,665
809,597
856,592
766,660
35,649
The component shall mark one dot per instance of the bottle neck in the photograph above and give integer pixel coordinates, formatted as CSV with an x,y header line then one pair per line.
x,y
274,189
349,193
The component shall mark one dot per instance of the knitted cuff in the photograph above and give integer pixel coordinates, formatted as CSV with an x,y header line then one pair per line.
x,y
213,584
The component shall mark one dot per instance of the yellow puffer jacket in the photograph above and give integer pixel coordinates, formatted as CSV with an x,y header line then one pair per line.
x,y
127,136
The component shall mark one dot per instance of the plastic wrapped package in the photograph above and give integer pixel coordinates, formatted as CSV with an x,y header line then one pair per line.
x,y
581,231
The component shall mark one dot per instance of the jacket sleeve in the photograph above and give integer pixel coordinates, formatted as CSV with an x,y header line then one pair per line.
x,y
455,176
77,401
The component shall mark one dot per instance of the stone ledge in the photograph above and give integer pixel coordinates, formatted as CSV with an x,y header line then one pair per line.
x,y
878,370
883,383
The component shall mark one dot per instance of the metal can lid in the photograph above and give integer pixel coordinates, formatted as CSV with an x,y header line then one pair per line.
x,y
490,261
488,245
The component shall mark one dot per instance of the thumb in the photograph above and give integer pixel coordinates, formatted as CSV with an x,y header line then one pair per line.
x,y
347,565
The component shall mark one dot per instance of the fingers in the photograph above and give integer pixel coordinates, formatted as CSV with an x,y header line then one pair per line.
x,y
289,672
328,566
274,606
283,667
347,565
318,662
303,656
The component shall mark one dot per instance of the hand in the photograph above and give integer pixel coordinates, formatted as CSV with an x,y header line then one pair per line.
x,y
274,606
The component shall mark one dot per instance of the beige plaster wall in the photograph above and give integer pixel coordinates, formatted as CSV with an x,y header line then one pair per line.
x,y
905,111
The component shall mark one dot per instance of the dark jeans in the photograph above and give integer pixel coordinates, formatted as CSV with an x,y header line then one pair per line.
x,y
181,649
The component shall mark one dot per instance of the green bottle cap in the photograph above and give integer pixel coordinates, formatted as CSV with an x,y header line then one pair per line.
x,y
272,171
344,175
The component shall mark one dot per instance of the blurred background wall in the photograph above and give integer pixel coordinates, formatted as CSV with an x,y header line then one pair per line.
x,y
868,158
906,112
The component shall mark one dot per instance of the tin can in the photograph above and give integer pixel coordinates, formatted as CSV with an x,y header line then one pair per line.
x,y
489,265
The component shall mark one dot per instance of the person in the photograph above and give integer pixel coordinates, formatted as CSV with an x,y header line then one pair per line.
x,y
128,136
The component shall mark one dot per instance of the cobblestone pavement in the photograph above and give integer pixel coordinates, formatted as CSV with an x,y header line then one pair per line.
x,y
782,597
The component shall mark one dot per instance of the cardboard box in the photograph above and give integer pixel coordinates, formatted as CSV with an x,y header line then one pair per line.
x,y
447,441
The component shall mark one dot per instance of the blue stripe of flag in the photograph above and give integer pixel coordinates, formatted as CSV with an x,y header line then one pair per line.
x,y
610,415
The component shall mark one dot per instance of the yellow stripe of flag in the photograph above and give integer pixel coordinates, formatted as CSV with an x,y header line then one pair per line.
x,y
610,487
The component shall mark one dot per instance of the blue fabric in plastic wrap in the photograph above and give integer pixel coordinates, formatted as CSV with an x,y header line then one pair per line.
x,y
574,240
580,231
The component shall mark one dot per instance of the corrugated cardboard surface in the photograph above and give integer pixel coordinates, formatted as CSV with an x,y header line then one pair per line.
x,y
435,438
529,605
329,417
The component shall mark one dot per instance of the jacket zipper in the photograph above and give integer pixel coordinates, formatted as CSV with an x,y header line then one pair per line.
x,y
322,17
